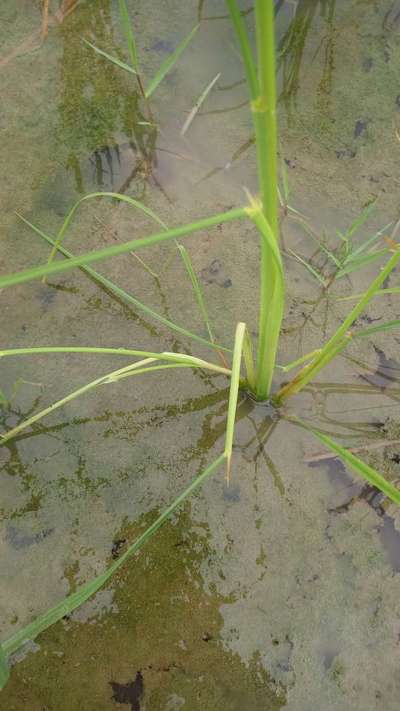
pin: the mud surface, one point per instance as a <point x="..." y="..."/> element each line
<point x="281" y="590"/>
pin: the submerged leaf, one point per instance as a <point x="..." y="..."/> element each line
<point x="352" y="265"/>
<point x="308" y="266"/>
<point x="367" y="472"/>
<point x="169" y="63"/>
<point x="4" y="669"/>
<point x="130" y="37"/>
<point x="196" y="288"/>
<point x="377" y="329"/>
<point x="110" y="58"/>
<point x="198" y="104"/>
<point x="359" y="221"/>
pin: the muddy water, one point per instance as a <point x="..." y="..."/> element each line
<point x="281" y="590"/>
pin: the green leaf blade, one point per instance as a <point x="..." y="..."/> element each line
<point x="200" y="101"/>
<point x="371" y="475"/>
<point x="127" y="297"/>
<point x="115" y="196"/>
<point x="196" y="288"/>
<point x="114" y="250"/>
<point x="359" y="221"/>
<point x="234" y="392"/>
<point x="111" y="58"/>
<point x="169" y="63"/>
<point x="366" y="332"/>
<point x="4" y="668"/>
<point x="352" y="265"/>
<point x="130" y="37"/>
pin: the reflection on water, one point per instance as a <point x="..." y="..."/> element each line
<point x="109" y="144"/>
<point x="292" y="44"/>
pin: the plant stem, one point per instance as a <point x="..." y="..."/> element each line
<point x="264" y="111"/>
<point x="263" y="94"/>
<point x="272" y="298"/>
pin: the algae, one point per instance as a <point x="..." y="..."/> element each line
<point x="161" y="626"/>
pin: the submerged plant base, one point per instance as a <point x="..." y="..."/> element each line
<point x="269" y="405"/>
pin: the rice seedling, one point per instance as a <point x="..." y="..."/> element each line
<point x="347" y="257"/>
<point x="258" y="374"/>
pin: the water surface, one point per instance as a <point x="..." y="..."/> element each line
<point x="281" y="590"/>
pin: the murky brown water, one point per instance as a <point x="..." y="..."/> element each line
<point x="281" y="590"/>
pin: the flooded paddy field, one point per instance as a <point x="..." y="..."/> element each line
<point x="281" y="589"/>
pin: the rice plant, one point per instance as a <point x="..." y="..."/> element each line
<point x="256" y="376"/>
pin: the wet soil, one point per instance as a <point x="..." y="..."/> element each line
<point x="281" y="590"/>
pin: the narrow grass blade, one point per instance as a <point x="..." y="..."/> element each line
<point x="125" y="296"/>
<point x="308" y="266"/>
<point x="116" y="196"/>
<point x="380" y="292"/>
<point x="148" y="369"/>
<point x="196" y="288"/>
<point x="347" y="243"/>
<point x="352" y="265"/>
<point x="200" y="101"/>
<point x="178" y="357"/>
<point x="233" y="394"/>
<point x="318" y="240"/>
<point x="182" y="358"/>
<point x="83" y="593"/>
<point x="339" y="339"/>
<point x="4" y="669"/>
<point x="130" y="38"/>
<point x="359" y="221"/>
<point x="371" y="475"/>
<point x="249" y="360"/>
<point x="245" y="49"/>
<point x="110" y="58"/>
<point x="114" y="250"/>
<point x="295" y="363"/>
<point x="5" y="437"/>
<point x="369" y="242"/>
<point x="112" y="377"/>
<point x="169" y="63"/>
<point x="366" y="332"/>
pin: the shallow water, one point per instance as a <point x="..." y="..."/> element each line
<point x="281" y="590"/>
